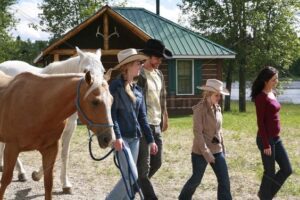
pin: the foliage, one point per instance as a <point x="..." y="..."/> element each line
<point x="295" y="68"/>
<point x="275" y="41"/>
<point x="6" y="18"/>
<point x="27" y="50"/>
<point x="270" y="37"/>
<point x="261" y="32"/>
<point x="16" y="49"/>
<point x="6" y="22"/>
<point x="6" y="47"/>
<point x="59" y="16"/>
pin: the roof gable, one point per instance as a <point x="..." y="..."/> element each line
<point x="183" y="42"/>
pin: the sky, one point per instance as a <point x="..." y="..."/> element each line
<point x="27" y="12"/>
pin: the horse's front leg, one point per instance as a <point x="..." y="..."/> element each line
<point x="19" y="165"/>
<point x="11" y="153"/>
<point x="66" y="138"/>
<point x="49" y="155"/>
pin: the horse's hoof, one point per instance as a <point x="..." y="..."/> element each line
<point x="35" y="176"/>
<point x="22" y="177"/>
<point x="67" y="190"/>
<point x="1" y="168"/>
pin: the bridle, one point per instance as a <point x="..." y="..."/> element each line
<point x="90" y="123"/>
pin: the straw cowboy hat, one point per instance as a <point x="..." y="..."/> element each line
<point x="126" y="56"/>
<point x="214" y="85"/>
<point x="156" y="48"/>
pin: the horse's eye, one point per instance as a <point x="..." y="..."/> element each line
<point x="96" y="102"/>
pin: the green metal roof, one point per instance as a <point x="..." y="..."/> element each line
<point x="183" y="42"/>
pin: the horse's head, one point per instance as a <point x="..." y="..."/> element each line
<point x="90" y="61"/>
<point x="94" y="103"/>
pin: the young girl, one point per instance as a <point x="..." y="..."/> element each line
<point x="129" y="117"/>
<point x="268" y="139"/>
<point x="208" y="145"/>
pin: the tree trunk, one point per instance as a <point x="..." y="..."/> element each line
<point x="242" y="61"/>
<point x="242" y="85"/>
<point x="228" y="86"/>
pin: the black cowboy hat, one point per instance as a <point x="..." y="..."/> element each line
<point x="156" y="48"/>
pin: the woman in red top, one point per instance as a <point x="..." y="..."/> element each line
<point x="268" y="139"/>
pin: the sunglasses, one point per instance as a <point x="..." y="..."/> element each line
<point x="140" y="62"/>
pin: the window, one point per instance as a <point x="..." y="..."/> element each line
<point x="184" y="77"/>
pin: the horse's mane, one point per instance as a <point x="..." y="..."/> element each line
<point x="75" y="64"/>
<point x="65" y="66"/>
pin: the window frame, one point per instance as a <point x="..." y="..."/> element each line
<point x="193" y="79"/>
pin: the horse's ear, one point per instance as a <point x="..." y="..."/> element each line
<point x="107" y="75"/>
<point x="98" y="53"/>
<point x="88" y="78"/>
<point x="79" y="52"/>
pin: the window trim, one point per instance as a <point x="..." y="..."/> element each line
<point x="193" y="81"/>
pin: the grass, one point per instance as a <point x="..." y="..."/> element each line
<point x="95" y="179"/>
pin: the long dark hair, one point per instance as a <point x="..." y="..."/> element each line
<point x="259" y="83"/>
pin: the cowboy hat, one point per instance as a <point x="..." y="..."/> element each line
<point x="125" y="56"/>
<point x="128" y="55"/>
<point x="214" y="85"/>
<point x="156" y="48"/>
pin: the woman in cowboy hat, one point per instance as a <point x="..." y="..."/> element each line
<point x="129" y="118"/>
<point x="208" y="145"/>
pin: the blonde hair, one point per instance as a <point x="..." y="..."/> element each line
<point x="206" y="94"/>
<point x="128" y="90"/>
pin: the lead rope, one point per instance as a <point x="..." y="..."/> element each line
<point x="130" y="188"/>
<point x="90" y="149"/>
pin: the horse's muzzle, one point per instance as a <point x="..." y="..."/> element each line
<point x="105" y="137"/>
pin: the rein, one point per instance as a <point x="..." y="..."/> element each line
<point x="90" y="124"/>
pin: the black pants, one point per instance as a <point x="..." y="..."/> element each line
<point x="272" y="180"/>
<point x="148" y="164"/>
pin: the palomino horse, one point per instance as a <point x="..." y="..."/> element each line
<point x="84" y="61"/>
<point x="34" y="110"/>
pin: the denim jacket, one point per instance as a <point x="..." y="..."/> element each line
<point x="129" y="118"/>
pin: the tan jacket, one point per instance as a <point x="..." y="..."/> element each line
<point x="207" y="125"/>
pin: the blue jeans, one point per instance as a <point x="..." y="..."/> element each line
<point x="119" y="191"/>
<point x="199" y="166"/>
<point x="272" y="180"/>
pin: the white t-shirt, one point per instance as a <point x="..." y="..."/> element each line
<point x="153" y="97"/>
